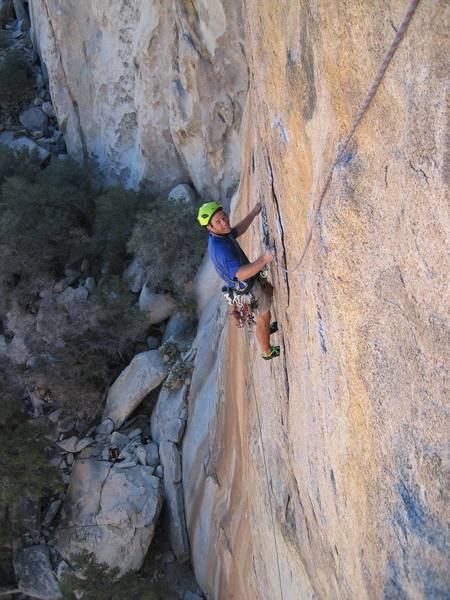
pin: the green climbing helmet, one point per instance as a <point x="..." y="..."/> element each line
<point x="206" y="211"/>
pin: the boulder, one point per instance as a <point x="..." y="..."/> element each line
<point x="152" y="454"/>
<point x="35" y="576"/>
<point x="111" y="512"/>
<point x="157" y="306"/>
<point x="180" y="328"/>
<point x="135" y="275"/>
<point x="89" y="284"/>
<point x="173" y="494"/>
<point x="106" y="427"/>
<point x="47" y="109"/>
<point x="118" y="440"/>
<point x="33" y="119"/>
<point x="74" y="445"/>
<point x="8" y="139"/>
<point x="145" y="372"/>
<point x="168" y="418"/>
<point x="51" y="513"/>
<point x="141" y="455"/>
<point x="171" y="462"/>
<point x="182" y="193"/>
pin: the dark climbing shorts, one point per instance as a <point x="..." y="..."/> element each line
<point x="262" y="292"/>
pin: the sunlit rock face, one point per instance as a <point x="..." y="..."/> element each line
<point x="353" y="414"/>
<point x="155" y="90"/>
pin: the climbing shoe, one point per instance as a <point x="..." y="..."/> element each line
<point x="274" y="351"/>
<point x="273" y="327"/>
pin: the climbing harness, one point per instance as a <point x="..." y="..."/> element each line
<point x="357" y="120"/>
<point x="244" y="303"/>
<point x="244" y="306"/>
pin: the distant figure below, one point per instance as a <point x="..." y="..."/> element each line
<point x="247" y="289"/>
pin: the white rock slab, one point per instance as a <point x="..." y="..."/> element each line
<point x="35" y="574"/>
<point x="110" y="512"/>
<point x="168" y="418"/>
<point x="145" y="372"/>
<point x="182" y="193"/>
<point x="158" y="307"/>
<point x="174" y="499"/>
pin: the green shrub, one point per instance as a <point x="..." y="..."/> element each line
<point x="119" y="313"/>
<point x="168" y="241"/>
<point x="21" y="162"/>
<point x="24" y="469"/>
<point x="45" y="217"/>
<point x="5" y="38"/>
<point x="98" y="581"/>
<point x="15" y="80"/>
<point x="76" y="380"/>
<point x="179" y="369"/>
<point x="40" y="227"/>
<point x="115" y="215"/>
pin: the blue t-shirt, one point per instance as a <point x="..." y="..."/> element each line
<point x="227" y="256"/>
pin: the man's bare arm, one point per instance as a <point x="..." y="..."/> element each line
<point x="243" y="225"/>
<point x="247" y="271"/>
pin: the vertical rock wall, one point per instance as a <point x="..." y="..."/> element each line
<point x="355" y="413"/>
<point x="154" y="90"/>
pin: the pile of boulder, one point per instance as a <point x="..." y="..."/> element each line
<point x="119" y="475"/>
<point x="37" y="127"/>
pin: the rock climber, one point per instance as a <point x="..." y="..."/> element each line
<point x="247" y="290"/>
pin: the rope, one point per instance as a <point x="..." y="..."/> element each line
<point x="266" y="470"/>
<point x="357" y="120"/>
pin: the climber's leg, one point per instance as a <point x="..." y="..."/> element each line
<point x="262" y="332"/>
<point x="263" y="296"/>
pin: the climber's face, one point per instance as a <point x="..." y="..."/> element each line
<point x="219" y="224"/>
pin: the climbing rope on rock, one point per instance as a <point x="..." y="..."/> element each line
<point x="357" y="120"/>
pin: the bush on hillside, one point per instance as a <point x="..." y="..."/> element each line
<point x="25" y="472"/>
<point x="166" y="239"/>
<point x="24" y="469"/>
<point x="45" y="217"/>
<point x="98" y="581"/>
<point x="41" y="228"/>
<point x="115" y="215"/>
<point x="21" y="162"/>
<point x="16" y="84"/>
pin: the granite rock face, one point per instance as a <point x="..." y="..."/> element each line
<point x="353" y="415"/>
<point x="155" y="90"/>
